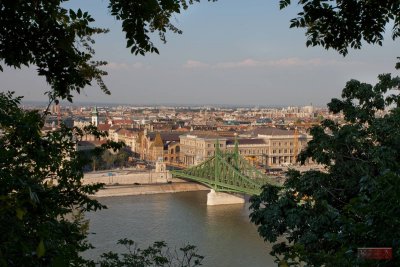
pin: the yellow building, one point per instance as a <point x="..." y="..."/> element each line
<point x="264" y="146"/>
<point x="155" y="145"/>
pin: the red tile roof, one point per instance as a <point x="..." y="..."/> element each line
<point x="104" y="127"/>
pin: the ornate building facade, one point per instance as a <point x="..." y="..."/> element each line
<point x="264" y="147"/>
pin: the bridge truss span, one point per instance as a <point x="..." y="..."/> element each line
<point x="227" y="172"/>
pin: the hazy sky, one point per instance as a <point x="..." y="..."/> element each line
<point x="230" y="52"/>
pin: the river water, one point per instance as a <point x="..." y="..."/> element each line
<point x="223" y="234"/>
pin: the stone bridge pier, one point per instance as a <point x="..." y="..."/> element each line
<point x="221" y="198"/>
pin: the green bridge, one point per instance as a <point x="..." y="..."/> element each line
<point x="227" y="172"/>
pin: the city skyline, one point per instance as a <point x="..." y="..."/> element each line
<point x="230" y="53"/>
<point x="65" y="103"/>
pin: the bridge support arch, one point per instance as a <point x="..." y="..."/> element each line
<point x="221" y="198"/>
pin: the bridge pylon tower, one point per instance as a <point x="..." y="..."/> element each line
<point x="227" y="172"/>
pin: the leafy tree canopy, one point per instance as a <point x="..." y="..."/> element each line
<point x="43" y="200"/>
<point x="157" y="255"/>
<point x="322" y="217"/>
<point x="59" y="41"/>
<point x="41" y="173"/>
<point x="340" y="24"/>
<point x="41" y="189"/>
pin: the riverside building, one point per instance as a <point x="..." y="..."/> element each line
<point x="267" y="147"/>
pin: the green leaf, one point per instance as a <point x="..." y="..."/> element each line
<point x="72" y="14"/>
<point x="40" y="250"/>
<point x="60" y="262"/>
<point x="20" y="213"/>
<point x="129" y="43"/>
<point x="79" y="14"/>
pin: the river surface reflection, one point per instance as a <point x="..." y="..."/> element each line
<point x="223" y="234"/>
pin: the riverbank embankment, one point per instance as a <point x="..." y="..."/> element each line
<point x="144" y="189"/>
<point x="130" y="182"/>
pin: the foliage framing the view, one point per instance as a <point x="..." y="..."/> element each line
<point x="41" y="188"/>
<point x="324" y="216"/>
<point x="58" y="41"/>
<point x="157" y="255"/>
<point x="40" y="174"/>
<point x="340" y="24"/>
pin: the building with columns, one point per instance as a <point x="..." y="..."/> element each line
<point x="267" y="147"/>
<point x="196" y="148"/>
<point x="283" y="146"/>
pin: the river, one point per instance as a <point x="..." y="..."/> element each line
<point x="223" y="234"/>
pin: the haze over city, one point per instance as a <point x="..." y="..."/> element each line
<point x="231" y="52"/>
<point x="237" y="145"/>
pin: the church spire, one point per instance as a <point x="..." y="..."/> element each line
<point x="95" y="116"/>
